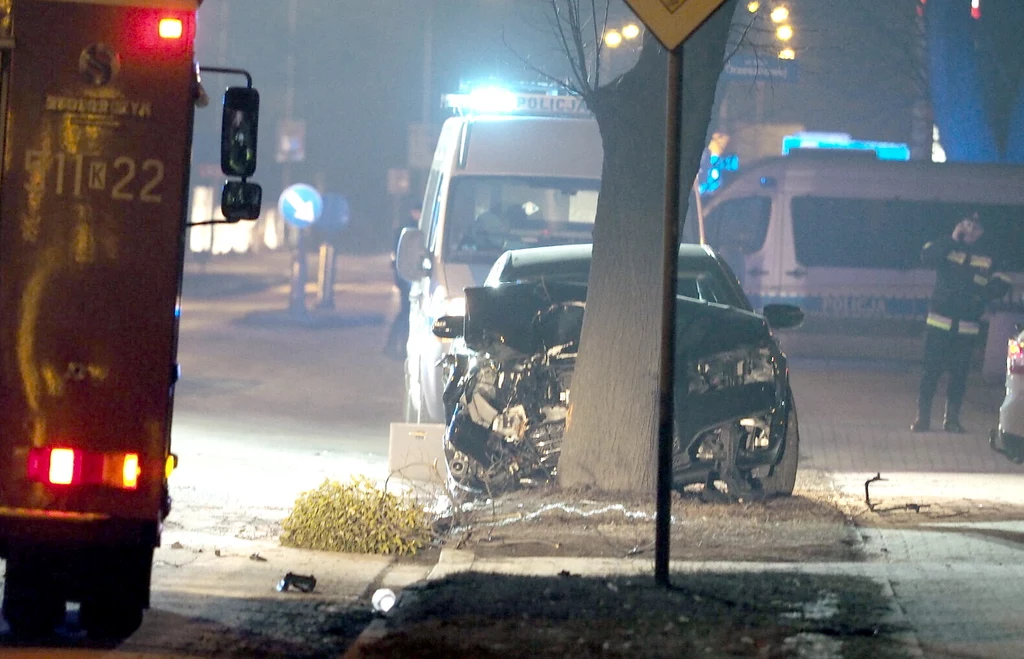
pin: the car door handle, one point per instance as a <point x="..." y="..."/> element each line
<point x="757" y="272"/>
<point x="799" y="272"/>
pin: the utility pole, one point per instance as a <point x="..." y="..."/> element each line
<point x="428" y="61"/>
<point x="300" y="267"/>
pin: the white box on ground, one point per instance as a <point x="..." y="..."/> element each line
<point x="416" y="451"/>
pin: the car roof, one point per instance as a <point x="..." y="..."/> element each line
<point x="537" y="260"/>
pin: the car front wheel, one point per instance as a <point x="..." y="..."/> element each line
<point x="782" y="480"/>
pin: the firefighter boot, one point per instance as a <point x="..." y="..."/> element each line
<point x="951" y="423"/>
<point x="923" y="422"/>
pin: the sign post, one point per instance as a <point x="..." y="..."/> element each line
<point x="301" y="206"/>
<point x="671" y="22"/>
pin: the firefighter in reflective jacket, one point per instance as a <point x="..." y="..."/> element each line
<point x="965" y="282"/>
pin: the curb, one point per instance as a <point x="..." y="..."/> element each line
<point x="897" y="616"/>
<point x="450" y="561"/>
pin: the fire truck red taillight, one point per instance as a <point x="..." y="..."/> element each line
<point x="70" y="467"/>
<point x="171" y="28"/>
<point x="63" y="463"/>
<point x="55" y="466"/>
<point x="1015" y="356"/>
<point x="130" y="471"/>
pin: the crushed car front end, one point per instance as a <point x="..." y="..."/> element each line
<point x="508" y="394"/>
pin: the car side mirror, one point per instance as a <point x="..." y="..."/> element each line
<point x="239" y="131"/>
<point x="783" y="316"/>
<point x="411" y="258"/>
<point x="449" y="327"/>
<point x="241" y="200"/>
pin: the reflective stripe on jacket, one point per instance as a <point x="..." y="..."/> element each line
<point x="966" y="280"/>
<point x="947" y="324"/>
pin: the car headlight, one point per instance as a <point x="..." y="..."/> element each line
<point x="442" y="305"/>
<point x="455" y="306"/>
<point x="732" y="368"/>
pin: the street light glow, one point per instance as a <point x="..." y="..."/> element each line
<point x="784" y="33"/>
<point x="631" y="31"/>
<point x="753" y="6"/>
<point x="780" y="14"/>
<point x="787" y="53"/>
<point x="612" y="38"/>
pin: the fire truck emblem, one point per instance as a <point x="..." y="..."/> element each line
<point x="99" y="64"/>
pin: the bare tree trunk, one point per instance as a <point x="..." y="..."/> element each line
<point x="611" y="435"/>
<point x="922" y="123"/>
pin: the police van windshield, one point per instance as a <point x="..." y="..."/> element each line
<point x="490" y="214"/>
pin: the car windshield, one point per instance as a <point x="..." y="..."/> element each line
<point x="709" y="283"/>
<point x="700" y="277"/>
<point x="490" y="214"/>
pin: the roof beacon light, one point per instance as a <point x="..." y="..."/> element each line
<point x="843" y="142"/>
<point x="171" y="28"/>
<point x="492" y="100"/>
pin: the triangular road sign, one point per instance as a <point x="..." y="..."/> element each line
<point x="671" y="21"/>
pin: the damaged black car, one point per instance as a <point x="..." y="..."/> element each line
<point x="509" y="376"/>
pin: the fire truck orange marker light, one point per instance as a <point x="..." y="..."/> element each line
<point x="62" y="466"/>
<point x="171" y="28"/>
<point x="131" y="471"/>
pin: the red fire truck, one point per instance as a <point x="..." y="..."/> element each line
<point x="98" y="98"/>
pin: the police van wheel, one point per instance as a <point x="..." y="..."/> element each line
<point x="31" y="606"/>
<point x="783" y="477"/>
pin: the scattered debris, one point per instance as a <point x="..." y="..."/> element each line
<point x="873" y="507"/>
<point x="867" y="486"/>
<point x="383" y="600"/>
<point x="300" y="582"/>
<point x="255" y="557"/>
<point x="216" y="552"/>
<point x="177" y="545"/>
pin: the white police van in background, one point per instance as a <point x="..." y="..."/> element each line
<point x="839" y="231"/>
<point x="512" y="170"/>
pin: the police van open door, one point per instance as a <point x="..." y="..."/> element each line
<point x="742" y="229"/>
<point x="98" y="102"/>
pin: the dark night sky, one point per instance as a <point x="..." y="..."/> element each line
<point x="359" y="69"/>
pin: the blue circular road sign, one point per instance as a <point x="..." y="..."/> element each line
<point x="300" y="205"/>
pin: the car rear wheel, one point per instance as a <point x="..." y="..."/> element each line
<point x="782" y="480"/>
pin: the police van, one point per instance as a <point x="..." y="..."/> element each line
<point x="839" y="233"/>
<point x="511" y="170"/>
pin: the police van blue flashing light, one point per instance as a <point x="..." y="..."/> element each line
<point x="717" y="167"/>
<point x="491" y="99"/>
<point x="843" y="142"/>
